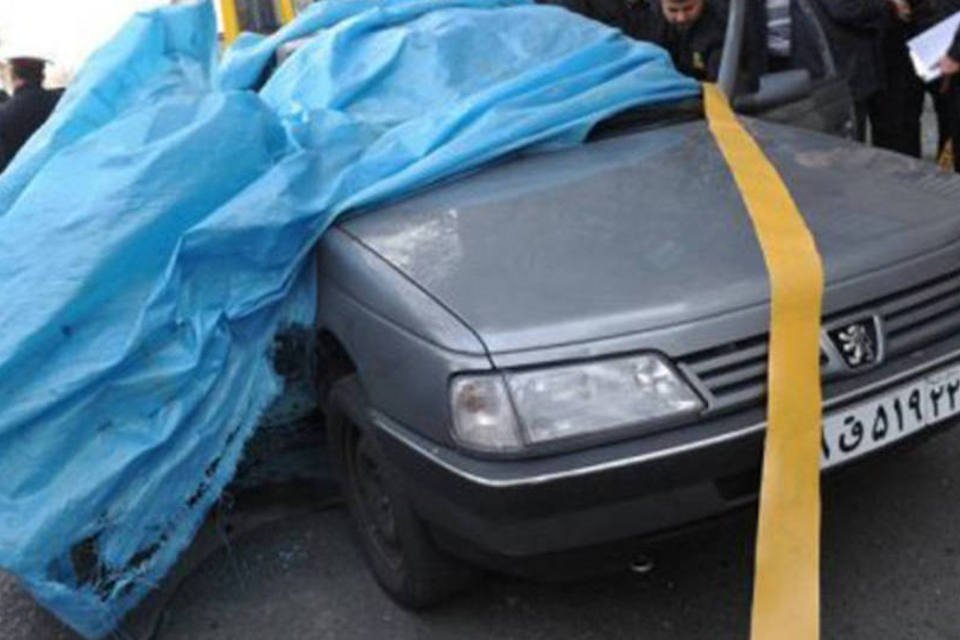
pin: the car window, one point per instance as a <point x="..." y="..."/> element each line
<point x="646" y="117"/>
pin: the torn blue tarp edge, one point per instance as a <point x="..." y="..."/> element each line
<point x="88" y="614"/>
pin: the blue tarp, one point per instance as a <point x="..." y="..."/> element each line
<point x="156" y="235"/>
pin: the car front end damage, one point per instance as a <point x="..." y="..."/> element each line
<point x="497" y="502"/>
<point x="571" y="350"/>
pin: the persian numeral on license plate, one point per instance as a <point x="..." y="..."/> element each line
<point x="895" y="414"/>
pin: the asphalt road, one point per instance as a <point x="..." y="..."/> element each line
<point x="891" y="559"/>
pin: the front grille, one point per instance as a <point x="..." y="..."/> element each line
<point x="919" y="316"/>
<point x="913" y="318"/>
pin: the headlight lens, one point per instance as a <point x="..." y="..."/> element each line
<point x="569" y="401"/>
<point x="563" y="402"/>
<point x="483" y="416"/>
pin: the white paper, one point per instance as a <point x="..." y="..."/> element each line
<point x="929" y="47"/>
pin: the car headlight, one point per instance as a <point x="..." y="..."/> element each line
<point x="505" y="412"/>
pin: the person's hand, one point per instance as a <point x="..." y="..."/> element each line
<point x="949" y="66"/>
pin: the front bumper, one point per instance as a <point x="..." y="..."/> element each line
<point x="517" y="509"/>
<point x="521" y="509"/>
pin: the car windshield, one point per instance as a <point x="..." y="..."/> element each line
<point x="264" y="19"/>
<point x="648" y="116"/>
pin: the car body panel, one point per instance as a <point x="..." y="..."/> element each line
<point x="704" y="333"/>
<point x="638" y="487"/>
<point x="634" y="243"/>
<point x="646" y="231"/>
<point x="403" y="344"/>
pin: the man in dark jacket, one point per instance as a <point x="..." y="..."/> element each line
<point x="853" y="28"/>
<point x="27" y="110"/>
<point x="692" y="31"/>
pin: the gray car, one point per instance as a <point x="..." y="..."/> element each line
<point x="569" y="349"/>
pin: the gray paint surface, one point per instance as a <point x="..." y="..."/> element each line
<point x="646" y="231"/>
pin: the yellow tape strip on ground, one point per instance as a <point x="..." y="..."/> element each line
<point x="786" y="597"/>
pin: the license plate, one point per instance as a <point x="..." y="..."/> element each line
<point x="895" y="414"/>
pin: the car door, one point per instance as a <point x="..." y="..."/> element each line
<point x="794" y="96"/>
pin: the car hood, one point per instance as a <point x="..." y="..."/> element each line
<point x="646" y="231"/>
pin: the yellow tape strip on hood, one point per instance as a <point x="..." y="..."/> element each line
<point x="786" y="597"/>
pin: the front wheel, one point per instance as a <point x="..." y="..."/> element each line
<point x="396" y="543"/>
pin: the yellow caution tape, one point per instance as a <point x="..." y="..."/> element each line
<point x="231" y="21"/>
<point x="786" y="597"/>
<point x="286" y="11"/>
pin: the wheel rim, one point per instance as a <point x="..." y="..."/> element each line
<point x="376" y="512"/>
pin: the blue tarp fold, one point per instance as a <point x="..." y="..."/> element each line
<point x="156" y="235"/>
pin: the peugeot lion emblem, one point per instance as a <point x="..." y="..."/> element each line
<point x="858" y="343"/>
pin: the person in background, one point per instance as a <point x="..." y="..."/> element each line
<point x="27" y="109"/>
<point x="950" y="67"/>
<point x="854" y="29"/>
<point x="692" y="31"/>
<point x="779" y="34"/>
<point x="791" y="33"/>
<point x="950" y="63"/>
<point x="895" y="111"/>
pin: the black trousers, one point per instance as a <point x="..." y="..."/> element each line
<point x="895" y="116"/>
<point x="952" y="101"/>
<point x="895" y="113"/>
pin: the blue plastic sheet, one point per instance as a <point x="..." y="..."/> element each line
<point x="156" y="235"/>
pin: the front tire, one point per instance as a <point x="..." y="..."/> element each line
<point x="397" y="544"/>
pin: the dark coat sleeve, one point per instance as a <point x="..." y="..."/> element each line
<point x="6" y="153"/>
<point x="8" y="148"/>
<point x="955" y="49"/>
<point x="20" y="117"/>
<point x="924" y="15"/>
<point x="858" y="14"/>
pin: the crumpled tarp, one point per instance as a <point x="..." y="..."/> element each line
<point x="156" y="235"/>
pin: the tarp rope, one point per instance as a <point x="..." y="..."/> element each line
<point x="786" y="597"/>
